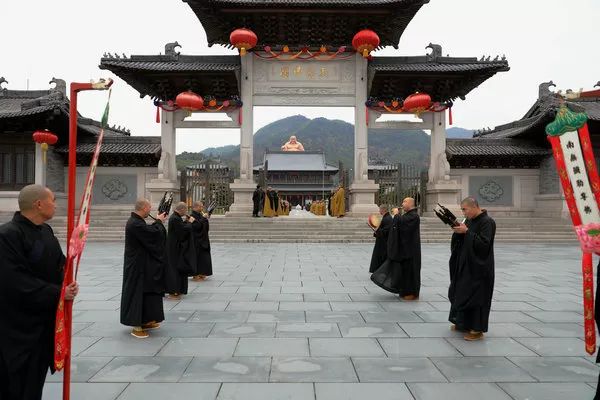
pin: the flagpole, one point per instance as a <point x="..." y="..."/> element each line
<point x="75" y="87"/>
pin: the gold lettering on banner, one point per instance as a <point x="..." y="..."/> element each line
<point x="298" y="70"/>
<point x="323" y="73"/>
<point x="285" y="72"/>
<point x="310" y="73"/>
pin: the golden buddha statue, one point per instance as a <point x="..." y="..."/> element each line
<point x="292" y="145"/>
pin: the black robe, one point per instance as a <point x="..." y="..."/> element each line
<point x="256" y="200"/>
<point x="472" y="274"/>
<point x="401" y="272"/>
<point x="274" y="197"/>
<point x="202" y="244"/>
<point x="143" y="272"/>
<point x="181" y="255"/>
<point x="381" y="237"/>
<point x="31" y="274"/>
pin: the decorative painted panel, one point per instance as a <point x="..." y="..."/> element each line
<point x="492" y="190"/>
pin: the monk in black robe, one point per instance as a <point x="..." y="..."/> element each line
<point x="143" y="271"/>
<point x="472" y="271"/>
<point x="181" y="254"/>
<point x="274" y="196"/>
<point x="256" y="200"/>
<point x="200" y="228"/>
<point x="31" y="275"/>
<point x="401" y="272"/>
<point x="381" y="237"/>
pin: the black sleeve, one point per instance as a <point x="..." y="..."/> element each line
<point x="482" y="239"/>
<point x="149" y="236"/>
<point x="18" y="282"/>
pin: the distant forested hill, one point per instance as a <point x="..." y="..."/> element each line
<point x="335" y="137"/>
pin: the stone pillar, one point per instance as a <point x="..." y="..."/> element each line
<point x="550" y="201"/>
<point x="40" y="167"/>
<point x="243" y="186"/>
<point x="167" y="166"/>
<point x="440" y="189"/>
<point x="362" y="190"/>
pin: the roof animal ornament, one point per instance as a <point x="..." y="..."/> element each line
<point x="596" y="85"/>
<point x="170" y="49"/>
<point x="2" y="80"/>
<point x="60" y="85"/>
<point x="544" y="89"/>
<point x="436" y="51"/>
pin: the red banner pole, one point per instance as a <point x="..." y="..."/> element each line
<point x="75" y="89"/>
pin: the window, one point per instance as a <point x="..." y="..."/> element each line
<point x="17" y="166"/>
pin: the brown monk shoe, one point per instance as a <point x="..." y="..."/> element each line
<point x="410" y="297"/>
<point x="151" y="325"/>
<point x="139" y="333"/>
<point x="473" y="336"/>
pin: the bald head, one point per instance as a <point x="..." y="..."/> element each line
<point x="469" y="201"/>
<point x="470" y="208"/>
<point x="408" y="204"/>
<point x="181" y="208"/>
<point x="198" y="206"/>
<point x="383" y="209"/>
<point x="30" y="194"/>
<point x="141" y="204"/>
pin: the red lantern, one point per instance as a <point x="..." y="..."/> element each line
<point x="365" y="42"/>
<point x="44" y="138"/>
<point x="189" y="101"/>
<point x="417" y="103"/>
<point x="243" y="39"/>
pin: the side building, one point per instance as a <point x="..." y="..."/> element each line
<point x="510" y="169"/>
<point x="126" y="162"/>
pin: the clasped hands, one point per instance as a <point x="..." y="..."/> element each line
<point x="460" y="228"/>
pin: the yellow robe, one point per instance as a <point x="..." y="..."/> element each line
<point x="267" y="209"/>
<point x="340" y="203"/>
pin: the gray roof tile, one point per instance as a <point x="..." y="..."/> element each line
<point x="297" y="161"/>
<point x="493" y="147"/>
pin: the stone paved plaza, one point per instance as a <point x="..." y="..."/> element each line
<point x="304" y="322"/>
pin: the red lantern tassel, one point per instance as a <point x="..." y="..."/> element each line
<point x="157" y="114"/>
<point x="450" y="115"/>
<point x="240" y="116"/>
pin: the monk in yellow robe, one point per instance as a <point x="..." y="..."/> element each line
<point x="268" y="208"/>
<point x="340" y="202"/>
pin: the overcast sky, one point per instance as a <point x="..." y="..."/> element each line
<point x="542" y="40"/>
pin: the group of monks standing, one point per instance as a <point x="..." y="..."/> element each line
<point x="158" y="262"/>
<point x="396" y="263"/>
<point x="268" y="203"/>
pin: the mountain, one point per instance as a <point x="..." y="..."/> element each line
<point x="335" y="138"/>
<point x="459" y="133"/>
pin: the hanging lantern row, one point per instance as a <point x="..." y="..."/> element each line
<point x="191" y="101"/>
<point x="416" y="103"/>
<point x="364" y="42"/>
<point x="44" y="138"/>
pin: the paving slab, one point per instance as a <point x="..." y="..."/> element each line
<point x="304" y="321"/>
